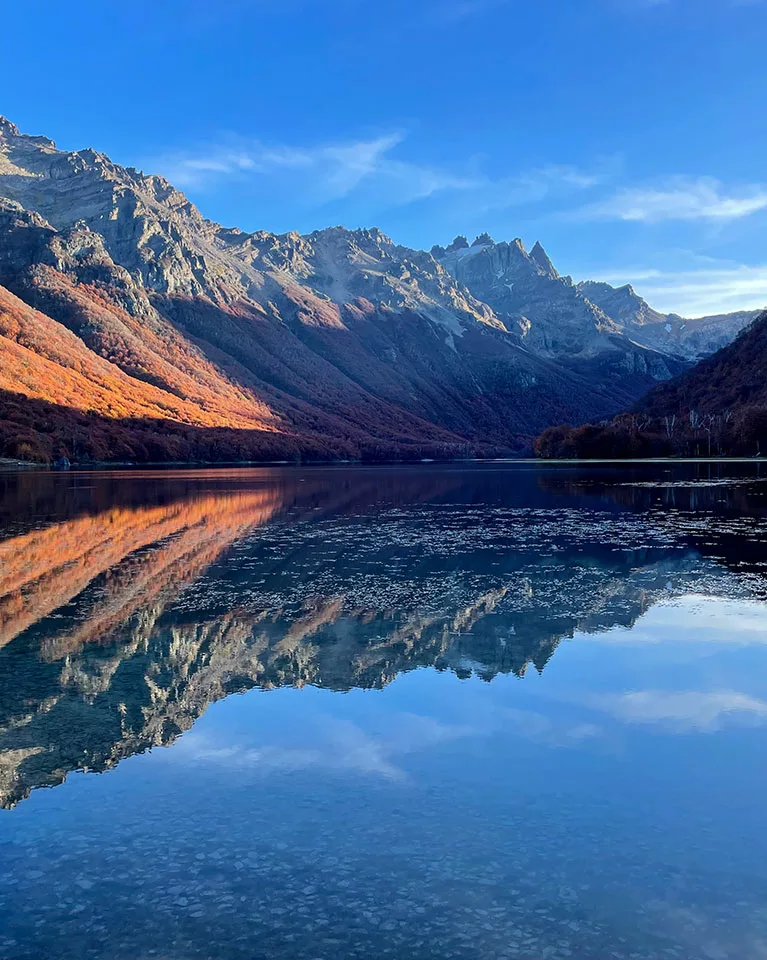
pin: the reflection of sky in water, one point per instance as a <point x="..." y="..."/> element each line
<point x="570" y="708"/>
<point x="610" y="807"/>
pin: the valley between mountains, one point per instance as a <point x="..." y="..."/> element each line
<point x="134" y="329"/>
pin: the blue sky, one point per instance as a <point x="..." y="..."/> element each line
<point x="629" y="136"/>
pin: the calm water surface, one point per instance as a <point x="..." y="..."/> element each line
<point x="493" y="711"/>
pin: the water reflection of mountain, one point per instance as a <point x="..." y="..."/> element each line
<point x="124" y="622"/>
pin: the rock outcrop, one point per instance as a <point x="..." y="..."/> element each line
<point x="690" y="339"/>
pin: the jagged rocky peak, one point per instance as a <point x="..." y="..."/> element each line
<point x="218" y="303"/>
<point x="7" y="128"/>
<point x="460" y="243"/>
<point x="347" y="243"/>
<point x="485" y="257"/>
<point x="539" y="255"/>
<point x="623" y="305"/>
<point x="148" y="227"/>
<point x="597" y="289"/>
<point x="526" y="292"/>
<point x="375" y="235"/>
<point x="665" y="332"/>
<point x="483" y="240"/>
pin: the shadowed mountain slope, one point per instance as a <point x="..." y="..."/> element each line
<point x="667" y="332"/>
<point x="719" y="407"/>
<point x="336" y="344"/>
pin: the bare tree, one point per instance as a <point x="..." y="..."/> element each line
<point x="694" y="419"/>
<point x="708" y="422"/>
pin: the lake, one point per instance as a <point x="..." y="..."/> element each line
<point x="469" y="711"/>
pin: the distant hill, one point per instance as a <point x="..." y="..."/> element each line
<point x="719" y="407"/>
<point x="668" y="332"/>
<point x="132" y="328"/>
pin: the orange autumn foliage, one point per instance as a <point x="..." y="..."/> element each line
<point x="44" y="360"/>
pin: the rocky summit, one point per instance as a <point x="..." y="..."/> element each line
<point x="132" y="328"/>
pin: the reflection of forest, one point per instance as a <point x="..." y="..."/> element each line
<point x="124" y="622"/>
<point x="43" y="570"/>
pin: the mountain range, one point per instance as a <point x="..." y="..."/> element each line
<point x="132" y="328"/>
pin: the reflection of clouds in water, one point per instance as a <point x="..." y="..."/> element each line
<point x="683" y="710"/>
<point x="362" y="749"/>
<point x="373" y="746"/>
<point x="366" y="757"/>
<point x="552" y="732"/>
<point x="337" y="745"/>
<point x="693" y="619"/>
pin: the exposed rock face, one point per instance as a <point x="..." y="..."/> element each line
<point x="542" y="260"/>
<point x="690" y="339"/>
<point x="552" y="317"/>
<point x="527" y="294"/>
<point x="339" y="343"/>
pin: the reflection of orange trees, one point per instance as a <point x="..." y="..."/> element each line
<point x="43" y="570"/>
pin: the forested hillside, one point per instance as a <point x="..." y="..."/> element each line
<point x="717" y="408"/>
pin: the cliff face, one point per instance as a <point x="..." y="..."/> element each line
<point x="181" y="338"/>
<point x="553" y="318"/>
<point x="575" y="323"/>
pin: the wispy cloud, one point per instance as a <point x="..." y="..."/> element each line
<point x="332" y="744"/>
<point x="722" y="287"/>
<point x="693" y="619"/>
<point x="552" y="181"/>
<point x="327" y="171"/>
<point x="679" y="198"/>
<point x="370" y="167"/>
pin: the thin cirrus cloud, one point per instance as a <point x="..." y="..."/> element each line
<point x="369" y="168"/>
<point x="679" y="198"/>
<point x="321" y="173"/>
<point x="721" y="287"/>
<point x="328" y="742"/>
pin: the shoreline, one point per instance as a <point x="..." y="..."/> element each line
<point x="10" y="465"/>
